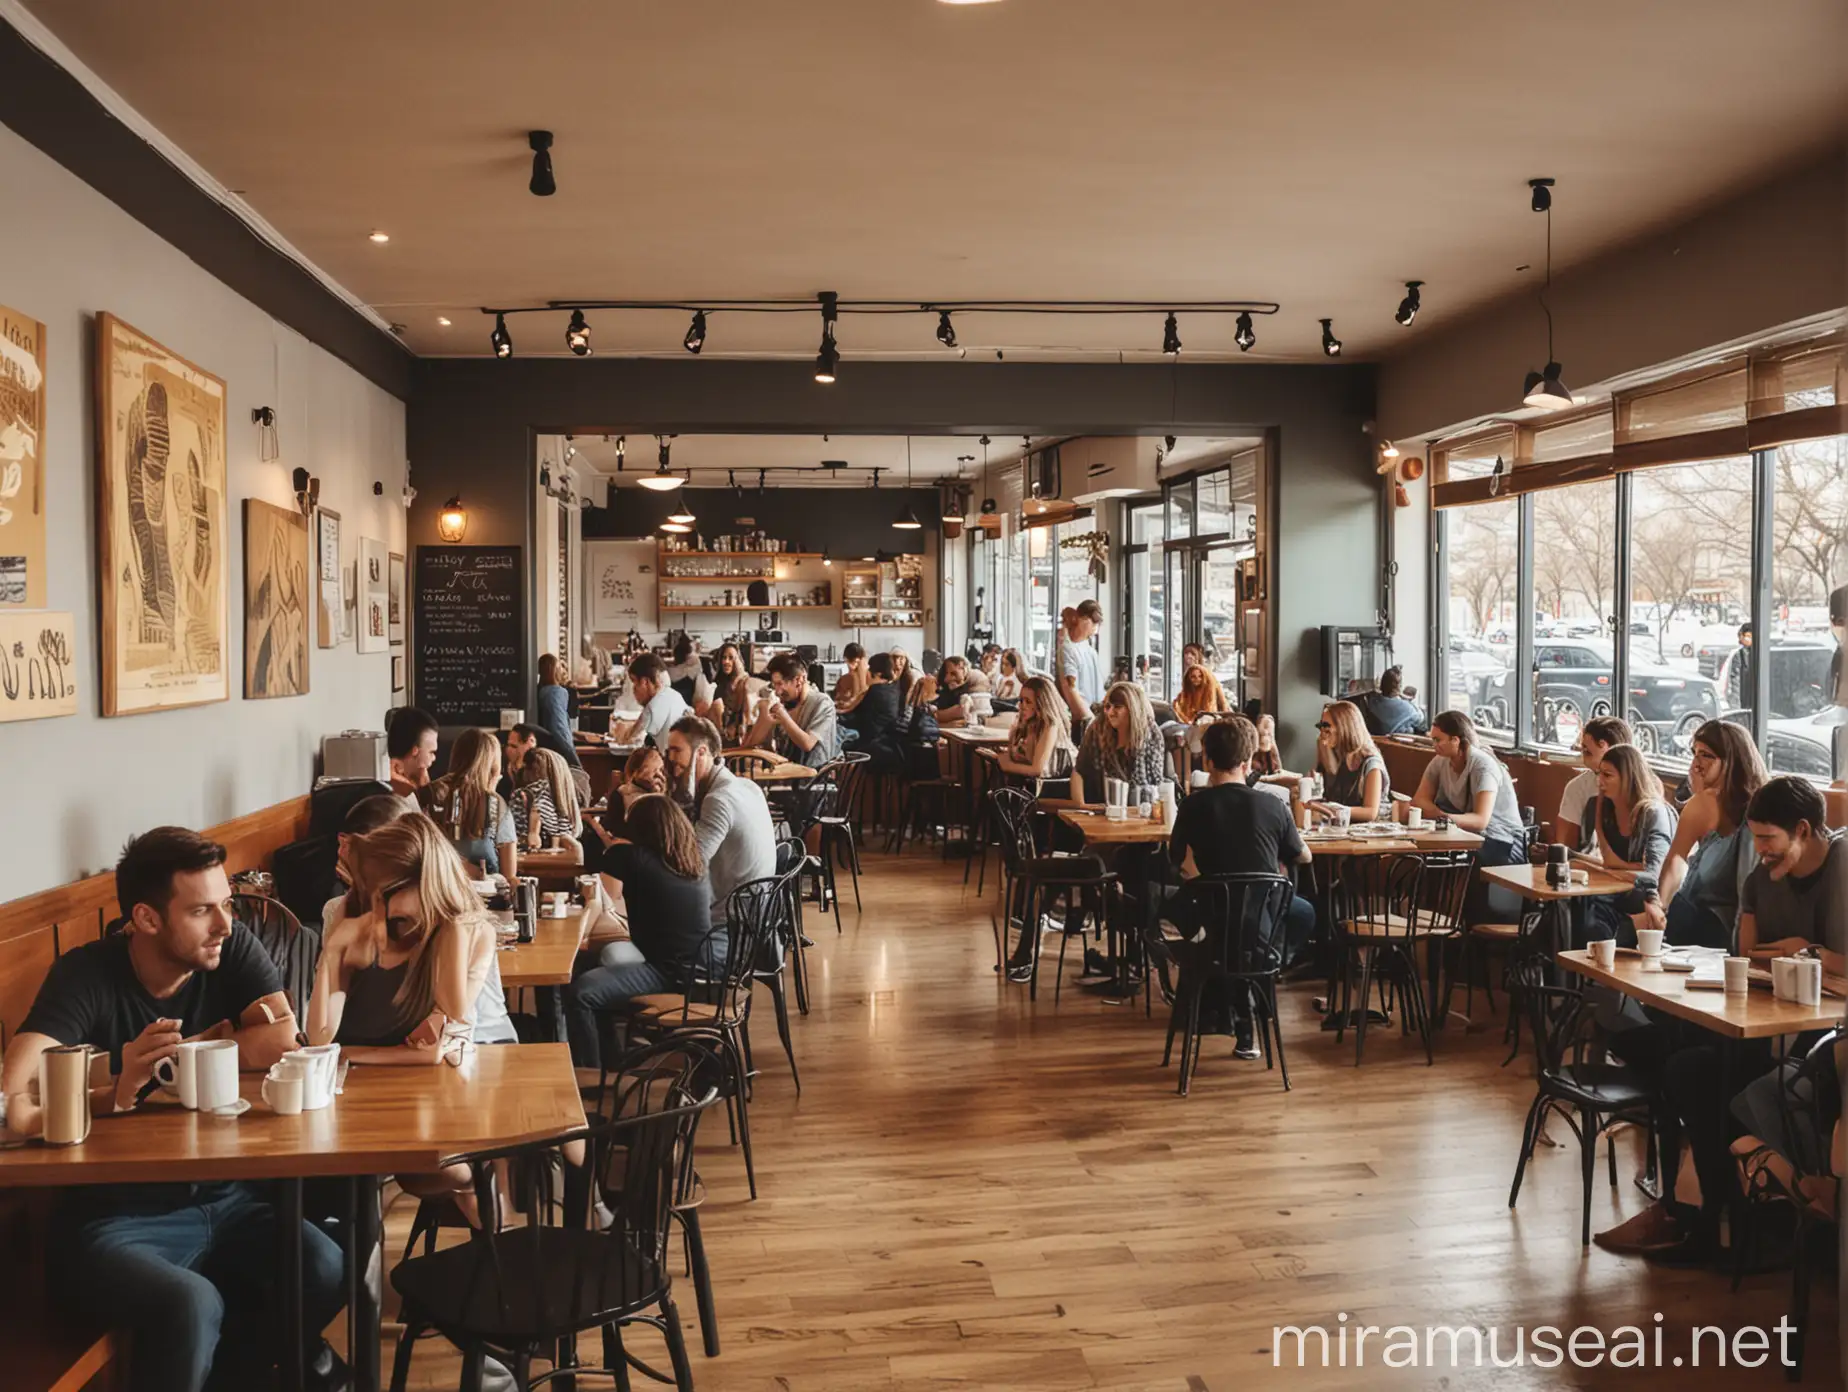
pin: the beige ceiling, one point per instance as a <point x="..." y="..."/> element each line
<point x="1315" y="154"/>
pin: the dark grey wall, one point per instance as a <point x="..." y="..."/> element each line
<point x="472" y="424"/>
<point x="846" y="522"/>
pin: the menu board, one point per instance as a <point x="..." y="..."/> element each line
<point x="469" y="603"/>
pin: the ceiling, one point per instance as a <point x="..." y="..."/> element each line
<point x="1315" y="155"/>
<point x="714" y="459"/>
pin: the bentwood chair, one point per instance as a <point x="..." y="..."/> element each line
<point x="1380" y="916"/>
<point x="528" y="1292"/>
<point x="1235" y="948"/>
<point x="1033" y="884"/>
<point x="838" y="845"/>
<point x="295" y="949"/>
<point x="1598" y="1094"/>
<point x="749" y="763"/>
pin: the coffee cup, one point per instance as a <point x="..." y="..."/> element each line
<point x="1649" y="941"/>
<point x="1738" y="978"/>
<point x="64" y="1093"/>
<point x="319" y="1064"/>
<point x="282" y="1089"/>
<point x="1784" y="978"/>
<point x="587" y="888"/>
<point x="1199" y="778"/>
<point x="1414" y="817"/>
<point x="1809" y="981"/>
<point x="215" y="1074"/>
<point x="1603" y="952"/>
<point x="179" y="1075"/>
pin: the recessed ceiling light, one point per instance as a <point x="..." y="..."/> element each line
<point x="443" y="319"/>
<point x="381" y="237"/>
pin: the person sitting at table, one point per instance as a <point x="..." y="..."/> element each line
<point x="522" y="741"/>
<point x="660" y="704"/>
<point x="545" y="803"/>
<point x="1200" y="693"/>
<point x="643" y="772"/>
<point x="853" y="682"/>
<point x="1570" y="825"/>
<point x="988" y="663"/>
<point x="1387" y="711"/>
<point x="686" y="668"/>
<point x="1467" y="784"/>
<point x="955" y="680"/>
<point x="658" y="874"/>
<point x="1711" y="856"/>
<point x="411" y="738"/>
<point x="730" y="706"/>
<point x="464" y="803"/>
<point x="1230" y="828"/>
<point x="1353" y="773"/>
<point x="1265" y="760"/>
<point x="877" y="717"/>
<point x="1798" y="892"/>
<point x="555" y="714"/>
<point x="731" y="819"/>
<point x="1124" y="742"/>
<point x="798" y="721"/>
<point x="1039" y="743"/>
<point x="188" y="1269"/>
<point x="1013" y="670"/>
<point x="1635" y="826"/>
<point x="903" y="674"/>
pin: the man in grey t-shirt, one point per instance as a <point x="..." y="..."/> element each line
<point x="800" y="724"/>
<point x="1798" y="894"/>
<point x="731" y="820"/>
<point x="1076" y="668"/>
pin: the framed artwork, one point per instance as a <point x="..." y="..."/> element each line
<point x="22" y="461"/>
<point x="394" y="599"/>
<point x="275" y="601"/>
<point x="161" y="511"/>
<point x="397" y="674"/>
<point x="37" y="677"/>
<point x="327" y="592"/>
<point x="374" y="596"/>
<point x="349" y="599"/>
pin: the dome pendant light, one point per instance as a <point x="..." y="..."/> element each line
<point x="662" y="480"/>
<point x="907" y="519"/>
<point x="1543" y="390"/>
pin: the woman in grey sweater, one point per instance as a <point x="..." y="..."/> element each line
<point x="1636" y="827"/>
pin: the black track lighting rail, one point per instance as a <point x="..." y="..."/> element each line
<point x="937" y="307"/>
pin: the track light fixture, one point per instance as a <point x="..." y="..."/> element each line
<point x="543" y="185"/>
<point x="577" y="335"/>
<point x="499" y="340"/>
<point x="1409" y="306"/>
<point x="1171" y="335"/>
<point x="1331" y="346"/>
<point x="828" y="359"/>
<point x="696" y="333"/>
<point x="1244" y="337"/>
<point x="1543" y="389"/>
<point x="946" y="331"/>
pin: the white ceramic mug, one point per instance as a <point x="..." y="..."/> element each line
<point x="1784" y="978"/>
<point x="1603" y="952"/>
<point x="1414" y="816"/>
<point x="319" y="1064"/>
<point x="215" y="1074"/>
<point x="1738" y="980"/>
<point x="64" y="1093"/>
<point x="178" y="1075"/>
<point x="1809" y="981"/>
<point x="283" y="1088"/>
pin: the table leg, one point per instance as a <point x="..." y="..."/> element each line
<point x="289" y="1363"/>
<point x="363" y="1235"/>
<point x="551" y="1003"/>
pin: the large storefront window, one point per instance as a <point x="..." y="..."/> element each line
<point x="1809" y="562"/>
<point x="1575" y="565"/>
<point x="1482" y="608"/>
<point x="1145" y="602"/>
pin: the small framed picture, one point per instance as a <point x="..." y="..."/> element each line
<point x="397" y="674"/>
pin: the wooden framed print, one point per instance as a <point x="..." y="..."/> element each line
<point x="327" y="592"/>
<point x="374" y="599"/>
<point x="22" y="461"/>
<point x="37" y="676"/>
<point x="161" y="523"/>
<point x="394" y="599"/>
<point x="275" y="601"/>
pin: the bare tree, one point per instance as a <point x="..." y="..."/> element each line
<point x="1663" y="565"/>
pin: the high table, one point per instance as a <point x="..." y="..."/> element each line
<point x="968" y="739"/>
<point x="545" y="965"/>
<point x="387" y="1121"/>
<point x="1529" y="881"/>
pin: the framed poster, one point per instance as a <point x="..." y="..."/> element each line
<point x="161" y="510"/>
<point x="397" y="674"/>
<point x="22" y="461"/>
<point x="275" y="601"/>
<point x="327" y="592"/>
<point x="349" y="599"/>
<point x="394" y="599"/>
<point x="374" y="597"/>
<point x="37" y="676"/>
<point x="620" y="576"/>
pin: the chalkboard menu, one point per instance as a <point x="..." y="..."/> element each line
<point x="470" y="600"/>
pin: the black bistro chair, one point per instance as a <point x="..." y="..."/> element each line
<point x="1233" y="944"/>
<point x="1034" y="883"/>
<point x="295" y="949"/>
<point x="1381" y="914"/>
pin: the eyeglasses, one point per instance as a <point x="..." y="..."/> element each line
<point x="1323" y="725"/>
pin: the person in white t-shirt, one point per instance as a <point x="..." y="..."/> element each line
<point x="1595" y="740"/>
<point x="660" y="704"/>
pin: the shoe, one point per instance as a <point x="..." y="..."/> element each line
<point x="326" y="1372"/>
<point x="1654" y="1229"/>
<point x="1697" y="1249"/>
<point x="1022" y="972"/>
<point x="807" y="941"/>
<point x="1247" y="1048"/>
<point x="1094" y="963"/>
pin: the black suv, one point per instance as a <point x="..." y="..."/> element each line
<point x="1572" y="683"/>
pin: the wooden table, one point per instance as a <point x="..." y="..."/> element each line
<point x="387" y="1121"/>
<point x="1755" y="1015"/>
<point x="1529" y="881"/>
<point x="545" y="964"/>
<point x="1099" y="830"/>
<point x="1404" y="841"/>
<point x="967" y="739"/>
<point x="555" y="869"/>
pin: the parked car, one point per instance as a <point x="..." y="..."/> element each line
<point x="1572" y="683"/>
<point x="1799" y="693"/>
<point x="1472" y="662"/>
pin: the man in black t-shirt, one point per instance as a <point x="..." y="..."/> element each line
<point x="1229" y="828"/>
<point x="188" y="1268"/>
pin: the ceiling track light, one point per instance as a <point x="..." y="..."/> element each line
<point x="696" y="333"/>
<point x="1171" y="335"/>
<point x="1543" y="194"/>
<point x="1244" y="337"/>
<point x="1409" y="306"/>
<point x="946" y="331"/>
<point x="577" y="335"/>
<point x="1331" y="346"/>
<point x="1543" y="390"/>
<point x="828" y="359"/>
<point x="542" y="184"/>
<point x="500" y="340"/>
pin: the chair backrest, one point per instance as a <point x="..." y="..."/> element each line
<point x="1383" y="892"/>
<point x="1012" y="810"/>
<point x="1448" y="876"/>
<point x="1241" y="920"/>
<point x="672" y="1072"/>
<point x="295" y="950"/>
<point x="756" y="918"/>
<point x="1559" y="1017"/>
<point x="1809" y="1103"/>
<point x="749" y="763"/>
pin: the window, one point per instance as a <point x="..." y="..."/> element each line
<point x="1809" y="561"/>
<point x="1180" y="511"/>
<point x="1575" y="572"/>
<point x="1214" y="516"/>
<point x="1145" y="611"/>
<point x="1482" y="607"/>
<point x="1690" y="590"/>
<point x="1040" y="610"/>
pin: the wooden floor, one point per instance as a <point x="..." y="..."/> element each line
<point x="974" y="1191"/>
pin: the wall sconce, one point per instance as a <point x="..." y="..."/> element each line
<point x="452" y="522"/>
<point x="269" y="448"/>
<point x="307" y="491"/>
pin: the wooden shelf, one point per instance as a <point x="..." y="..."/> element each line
<point x="742" y="608"/>
<point x="750" y="555"/>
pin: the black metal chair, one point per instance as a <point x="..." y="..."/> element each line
<point x="294" y="948"/>
<point x="1036" y="883"/>
<point x="784" y="946"/>
<point x="1599" y="1094"/>
<point x="528" y="1292"/>
<point x="838" y="844"/>
<point x="1232" y="943"/>
<point x="1380" y="915"/>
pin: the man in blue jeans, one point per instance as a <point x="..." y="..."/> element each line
<point x="188" y="1269"/>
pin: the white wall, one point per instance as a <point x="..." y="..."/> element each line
<point x="79" y="786"/>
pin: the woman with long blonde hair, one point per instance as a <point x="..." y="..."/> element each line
<point x="545" y="805"/>
<point x="1124" y="741"/>
<point x="1351" y="766"/>
<point x="464" y="804"/>
<point x="1039" y="745"/>
<point x="1200" y="694"/>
